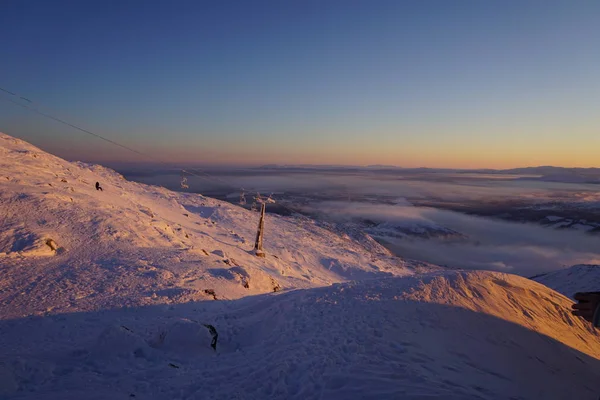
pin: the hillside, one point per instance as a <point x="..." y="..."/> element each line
<point x="111" y="295"/>
<point x="133" y="244"/>
<point x="568" y="281"/>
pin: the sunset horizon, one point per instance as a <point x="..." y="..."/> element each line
<point x="462" y="85"/>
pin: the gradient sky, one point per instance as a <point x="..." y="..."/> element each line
<point x="444" y="83"/>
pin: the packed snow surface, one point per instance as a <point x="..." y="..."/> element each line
<point x="139" y="292"/>
<point x="454" y="335"/>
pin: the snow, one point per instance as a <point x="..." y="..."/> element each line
<point x="150" y="245"/>
<point x="568" y="281"/>
<point x="412" y="229"/>
<point x="553" y="218"/>
<point x="582" y="227"/>
<point x="121" y="305"/>
<point x="562" y="224"/>
<point x="452" y="335"/>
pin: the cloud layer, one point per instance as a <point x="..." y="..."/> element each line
<point x="524" y="249"/>
<point x="386" y="197"/>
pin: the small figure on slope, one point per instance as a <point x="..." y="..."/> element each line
<point x="98" y="187"/>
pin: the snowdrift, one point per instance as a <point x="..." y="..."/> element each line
<point x="455" y="335"/>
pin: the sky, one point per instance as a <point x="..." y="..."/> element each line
<point x="457" y="84"/>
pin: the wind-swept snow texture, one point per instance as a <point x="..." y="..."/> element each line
<point x="568" y="281"/>
<point x="133" y="244"/>
<point x="454" y="335"/>
<point x="111" y="295"/>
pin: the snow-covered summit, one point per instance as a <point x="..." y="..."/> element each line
<point x="134" y="244"/>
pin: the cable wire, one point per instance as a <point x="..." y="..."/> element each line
<point x="189" y="171"/>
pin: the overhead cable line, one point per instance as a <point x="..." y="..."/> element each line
<point x="62" y="121"/>
<point x="35" y="110"/>
<point x="190" y="171"/>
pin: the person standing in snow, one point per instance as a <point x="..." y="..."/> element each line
<point x="588" y="307"/>
<point x="98" y="187"/>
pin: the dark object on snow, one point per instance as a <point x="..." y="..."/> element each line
<point x="173" y="365"/>
<point x="258" y="244"/>
<point x="276" y="287"/>
<point x="50" y="243"/>
<point x="98" y="187"/>
<point x="215" y="335"/>
<point x="588" y="307"/>
<point x="211" y="292"/>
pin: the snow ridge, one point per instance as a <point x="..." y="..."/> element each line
<point x="568" y="281"/>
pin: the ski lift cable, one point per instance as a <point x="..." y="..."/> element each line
<point x="191" y="171"/>
<point x="62" y="121"/>
<point x="35" y="110"/>
<point x="215" y="178"/>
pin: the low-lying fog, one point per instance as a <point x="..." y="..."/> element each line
<point x="522" y="248"/>
<point x="393" y="198"/>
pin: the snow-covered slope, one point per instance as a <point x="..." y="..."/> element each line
<point x="453" y="335"/>
<point x="110" y="295"/>
<point x="134" y="244"/>
<point x="568" y="281"/>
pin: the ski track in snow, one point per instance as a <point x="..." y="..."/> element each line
<point x="118" y="310"/>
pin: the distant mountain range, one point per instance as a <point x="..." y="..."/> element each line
<point x="542" y="173"/>
<point x="541" y="170"/>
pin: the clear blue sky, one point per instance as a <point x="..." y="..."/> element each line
<point x="411" y="83"/>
